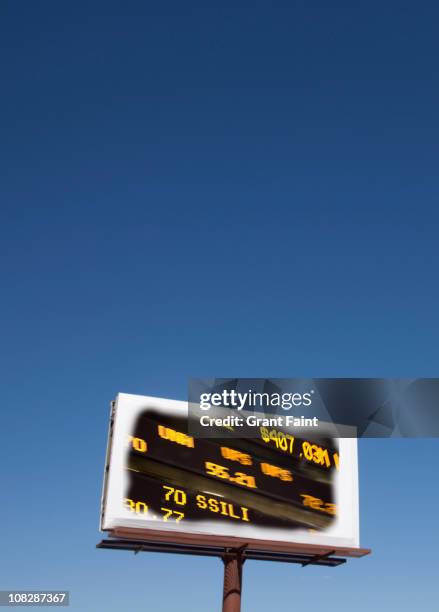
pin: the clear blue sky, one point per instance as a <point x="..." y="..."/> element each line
<point x="200" y="189"/>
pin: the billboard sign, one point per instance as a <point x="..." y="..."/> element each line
<point x="274" y="489"/>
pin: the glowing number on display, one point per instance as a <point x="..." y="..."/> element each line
<point x="177" y="495"/>
<point x="318" y="504"/>
<point x="137" y="507"/>
<point x="223" y="472"/>
<point x="283" y="441"/>
<point x="264" y="434"/>
<point x="217" y="470"/>
<point x="306" y="446"/>
<point x="319" y="455"/>
<point x="138" y="444"/>
<point x="244" y="479"/>
<point x="130" y="504"/>
<point x="168" y="513"/>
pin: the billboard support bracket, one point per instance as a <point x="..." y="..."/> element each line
<point x="233" y="559"/>
<point x="316" y="558"/>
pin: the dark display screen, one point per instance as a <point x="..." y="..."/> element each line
<point x="276" y="480"/>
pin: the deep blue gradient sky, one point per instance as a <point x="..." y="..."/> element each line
<point x="193" y="189"/>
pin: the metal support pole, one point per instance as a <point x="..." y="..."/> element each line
<point x="233" y="563"/>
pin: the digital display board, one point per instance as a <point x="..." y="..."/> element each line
<point x="276" y="487"/>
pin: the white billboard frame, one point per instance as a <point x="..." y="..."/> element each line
<point x="116" y="518"/>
